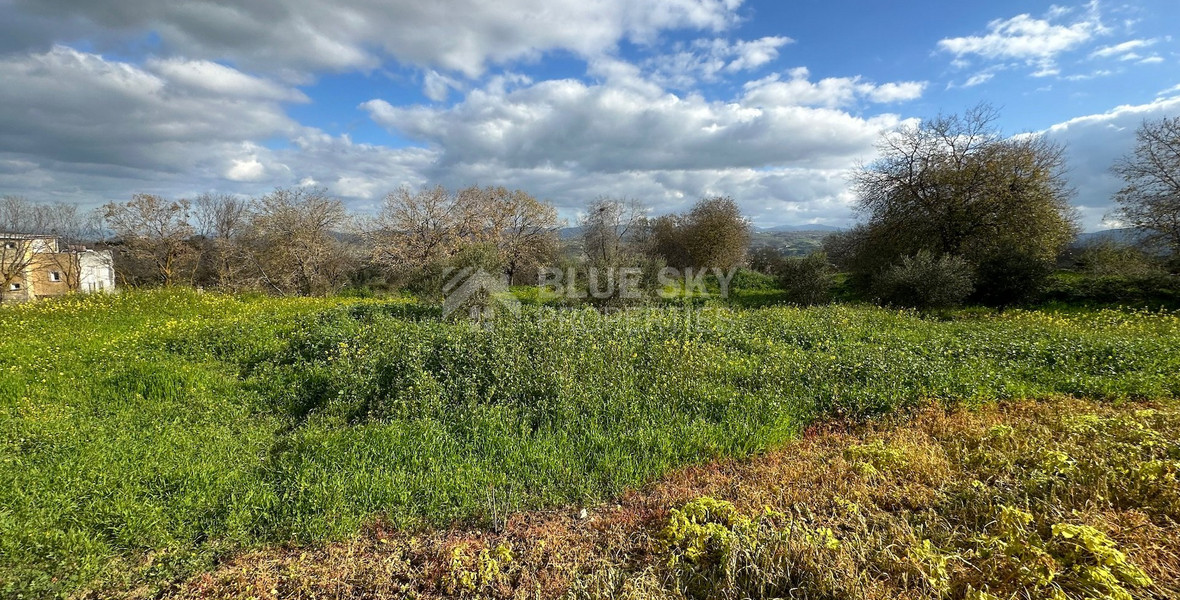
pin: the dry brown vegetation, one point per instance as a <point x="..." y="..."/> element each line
<point x="940" y="503"/>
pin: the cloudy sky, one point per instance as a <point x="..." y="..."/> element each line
<point x="768" y="101"/>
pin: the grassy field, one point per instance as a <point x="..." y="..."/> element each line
<point x="143" y="436"/>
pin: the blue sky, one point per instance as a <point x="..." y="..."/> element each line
<point x="771" y="102"/>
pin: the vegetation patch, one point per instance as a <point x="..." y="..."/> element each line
<point x="972" y="511"/>
<point x="148" y="436"/>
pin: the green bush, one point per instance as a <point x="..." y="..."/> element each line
<point x="808" y="280"/>
<point x="925" y="282"/>
<point x="1010" y="277"/>
<point x="1150" y="291"/>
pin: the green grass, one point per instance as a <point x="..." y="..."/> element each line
<point x="184" y="425"/>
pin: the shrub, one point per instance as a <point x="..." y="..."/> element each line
<point x="1110" y="258"/>
<point x="1010" y="276"/>
<point x="1150" y="291"/>
<point x="807" y="280"/>
<point x="923" y="281"/>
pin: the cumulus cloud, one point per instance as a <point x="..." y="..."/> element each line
<point x="79" y="108"/>
<point x="311" y="35"/>
<point x="82" y="128"/>
<point x="629" y="124"/>
<point x="798" y="90"/>
<point x="709" y="59"/>
<point x="1035" y="41"/>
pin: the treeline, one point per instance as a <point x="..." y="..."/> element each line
<point x="302" y="241"/>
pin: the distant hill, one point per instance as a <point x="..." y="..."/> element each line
<point x="803" y="227"/>
<point x="1126" y="235"/>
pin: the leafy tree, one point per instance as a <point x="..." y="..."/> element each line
<point x="1150" y="200"/>
<point x="712" y="234"/>
<point x="716" y="234"/>
<point x="1010" y="276"/>
<point x="953" y="185"/>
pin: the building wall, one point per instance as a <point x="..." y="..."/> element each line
<point x="42" y="274"/>
<point x="97" y="269"/>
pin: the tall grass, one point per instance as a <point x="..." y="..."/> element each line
<point x="181" y="424"/>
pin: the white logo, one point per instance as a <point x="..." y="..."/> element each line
<point x="478" y="293"/>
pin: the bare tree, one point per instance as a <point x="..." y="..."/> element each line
<point x="222" y="220"/>
<point x="154" y="233"/>
<point x="20" y="222"/>
<point x="526" y="229"/>
<point x="611" y="227"/>
<point x="41" y="236"/>
<point x="71" y="230"/>
<point x="295" y="241"/>
<point x="1151" y="198"/>
<point x="417" y="230"/>
<point x="414" y="229"/>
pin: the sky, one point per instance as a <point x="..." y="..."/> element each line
<point x="771" y="102"/>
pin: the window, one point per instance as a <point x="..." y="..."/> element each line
<point x="10" y="245"/>
<point x="54" y="276"/>
<point x="14" y="286"/>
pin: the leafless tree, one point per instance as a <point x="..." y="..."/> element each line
<point x="20" y="221"/>
<point x="295" y="241"/>
<point x="527" y="229"/>
<point x="1151" y="198"/>
<point x="222" y="221"/>
<point x="416" y="230"/>
<point x="154" y="233"/>
<point x="611" y="227"/>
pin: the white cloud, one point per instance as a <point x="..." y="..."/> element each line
<point x="799" y="90"/>
<point x="247" y="169"/>
<point x="1094" y="142"/>
<point x="628" y="124"/>
<point x="709" y="59"/>
<point x="437" y="86"/>
<point x="1035" y="41"/>
<point x="979" y="79"/>
<point x="80" y="109"/>
<point x="1122" y="50"/>
<point x="311" y="35"/>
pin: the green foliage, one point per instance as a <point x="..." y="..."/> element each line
<point x="187" y="425"/>
<point x="1112" y="259"/>
<point x="1151" y="291"/>
<point x="1010" y="276"/>
<point x="714" y="551"/>
<point x="923" y="281"/>
<point x="806" y="281"/>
